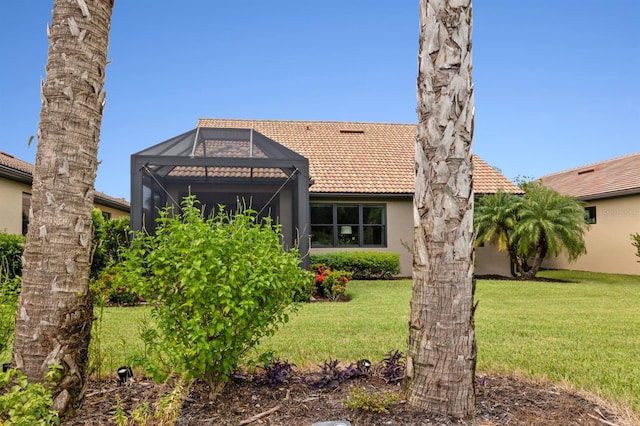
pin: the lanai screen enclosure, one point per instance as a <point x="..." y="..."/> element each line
<point x="227" y="167"/>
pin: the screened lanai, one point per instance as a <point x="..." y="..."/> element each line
<point x="230" y="167"/>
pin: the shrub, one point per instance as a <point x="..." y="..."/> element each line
<point x="331" y="284"/>
<point x="24" y="403"/>
<point x="360" y="399"/>
<point x="305" y="292"/>
<point x="9" y="289"/>
<point x="11" y="247"/>
<point x="108" y="288"/>
<point x="109" y="238"/>
<point x="116" y="237"/>
<point x="364" y="265"/>
<point x="217" y="285"/>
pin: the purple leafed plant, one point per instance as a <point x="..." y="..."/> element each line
<point x="392" y="366"/>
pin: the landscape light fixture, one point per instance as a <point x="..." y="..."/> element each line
<point x="123" y="374"/>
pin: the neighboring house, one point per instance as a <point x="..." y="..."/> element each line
<point x="361" y="182"/>
<point x="15" y="193"/>
<point x="611" y="193"/>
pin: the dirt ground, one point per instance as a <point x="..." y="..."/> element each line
<point x="500" y="401"/>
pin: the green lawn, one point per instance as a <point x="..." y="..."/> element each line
<point x="585" y="333"/>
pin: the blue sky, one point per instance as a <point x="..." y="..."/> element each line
<point x="557" y="82"/>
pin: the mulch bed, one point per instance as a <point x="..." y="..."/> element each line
<point x="500" y="401"/>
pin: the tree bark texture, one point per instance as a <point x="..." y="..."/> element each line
<point x="441" y="355"/>
<point x="55" y="312"/>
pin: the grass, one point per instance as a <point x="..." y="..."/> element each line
<point x="584" y="333"/>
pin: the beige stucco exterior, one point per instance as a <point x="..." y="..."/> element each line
<point x="113" y="212"/>
<point x="608" y="241"/>
<point x="11" y="205"/>
<point x="400" y="238"/>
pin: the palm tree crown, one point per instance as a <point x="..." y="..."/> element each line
<point x="530" y="227"/>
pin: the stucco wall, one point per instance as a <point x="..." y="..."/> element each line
<point x="115" y="213"/>
<point x="490" y="261"/>
<point x="11" y="205"/>
<point x="608" y="241"/>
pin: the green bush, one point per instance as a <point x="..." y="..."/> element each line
<point x="360" y="399"/>
<point x="109" y="238"/>
<point x="9" y="290"/>
<point x="24" y="403"/>
<point x="217" y="286"/>
<point x="364" y="265"/>
<point x="11" y="247"/>
<point x="107" y="288"/>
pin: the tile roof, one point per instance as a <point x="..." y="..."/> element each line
<point x="357" y="157"/>
<point x="610" y="178"/>
<point x="13" y="164"/>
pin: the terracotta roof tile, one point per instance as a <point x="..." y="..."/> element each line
<point x="12" y="162"/>
<point x="610" y="178"/>
<point x="356" y="157"/>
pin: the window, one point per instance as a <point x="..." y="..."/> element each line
<point x="26" y="207"/>
<point x="348" y="225"/>
<point x="106" y="215"/>
<point x="590" y="214"/>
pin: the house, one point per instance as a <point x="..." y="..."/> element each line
<point x="359" y="178"/>
<point x="610" y="191"/>
<point x="15" y="192"/>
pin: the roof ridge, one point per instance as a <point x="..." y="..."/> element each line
<point x="584" y="166"/>
<point x="307" y="121"/>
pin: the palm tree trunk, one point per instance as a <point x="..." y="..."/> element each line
<point x="441" y="352"/>
<point x="55" y="311"/>
<point x="537" y="262"/>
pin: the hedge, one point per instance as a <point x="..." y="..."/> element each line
<point x="11" y="255"/>
<point x="364" y="265"/>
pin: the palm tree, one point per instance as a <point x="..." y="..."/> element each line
<point x="495" y="218"/>
<point x="441" y="352"/>
<point x="55" y="311"/>
<point x="548" y="223"/>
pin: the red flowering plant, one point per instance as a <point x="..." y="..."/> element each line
<point x="330" y="283"/>
<point x="106" y="290"/>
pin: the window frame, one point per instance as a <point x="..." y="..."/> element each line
<point x="592" y="217"/>
<point x="357" y="228"/>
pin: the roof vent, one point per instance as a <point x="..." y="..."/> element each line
<point x="586" y="171"/>
<point x="354" y="131"/>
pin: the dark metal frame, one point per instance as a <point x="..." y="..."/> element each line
<point x="180" y="151"/>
